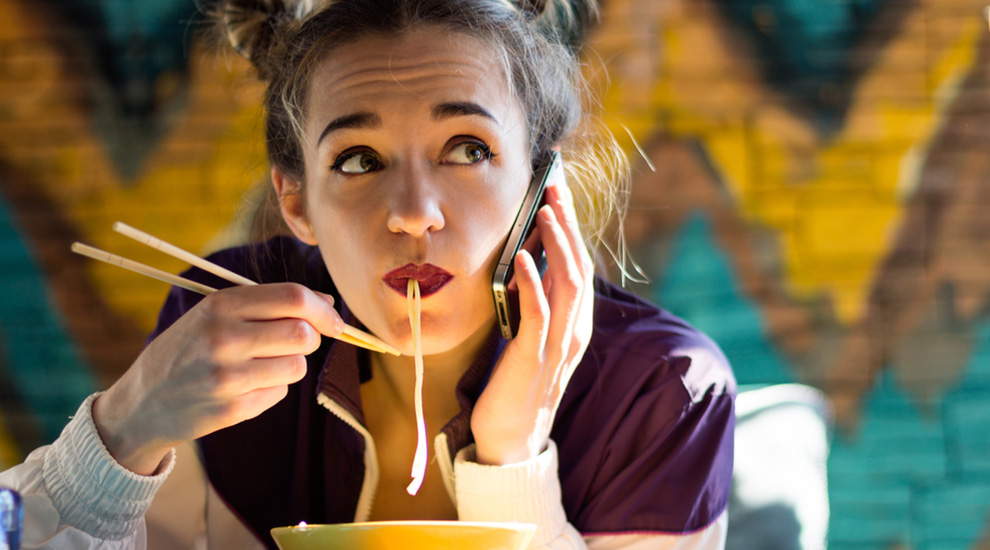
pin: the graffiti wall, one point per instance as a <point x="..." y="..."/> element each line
<point x="821" y="174"/>
<point x="810" y="187"/>
<point x="108" y="111"/>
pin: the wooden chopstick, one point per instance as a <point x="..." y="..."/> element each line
<point x="350" y="335"/>
<point x="370" y="340"/>
<point x="373" y="343"/>
<point x="176" y="252"/>
<point x="104" y="256"/>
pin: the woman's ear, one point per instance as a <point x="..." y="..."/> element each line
<point x="293" y="206"/>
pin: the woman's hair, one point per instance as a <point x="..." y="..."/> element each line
<point x="535" y="41"/>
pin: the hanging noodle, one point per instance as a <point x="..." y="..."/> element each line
<point x="419" y="462"/>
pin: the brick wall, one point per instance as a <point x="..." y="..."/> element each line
<point x="817" y="205"/>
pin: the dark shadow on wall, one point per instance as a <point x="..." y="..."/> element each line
<point x="133" y="58"/>
<point x="814" y="52"/>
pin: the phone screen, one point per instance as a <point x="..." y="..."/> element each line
<point x="522" y="235"/>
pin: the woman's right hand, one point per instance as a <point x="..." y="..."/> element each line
<point x="228" y="359"/>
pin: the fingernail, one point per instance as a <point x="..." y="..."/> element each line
<point x="521" y="258"/>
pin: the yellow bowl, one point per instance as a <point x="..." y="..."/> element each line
<point x="407" y="535"/>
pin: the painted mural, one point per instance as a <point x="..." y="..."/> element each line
<point x="810" y="187"/>
<point x="816" y="207"/>
<point x="109" y="111"/>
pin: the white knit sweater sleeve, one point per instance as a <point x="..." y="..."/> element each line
<point x="75" y="495"/>
<point x="527" y="492"/>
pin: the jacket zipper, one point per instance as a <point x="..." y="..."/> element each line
<point x="370" y="484"/>
<point x="446" y="468"/>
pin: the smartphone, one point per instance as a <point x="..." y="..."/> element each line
<point x="522" y="234"/>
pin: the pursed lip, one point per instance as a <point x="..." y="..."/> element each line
<point x="431" y="278"/>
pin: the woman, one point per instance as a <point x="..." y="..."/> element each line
<point x="402" y="137"/>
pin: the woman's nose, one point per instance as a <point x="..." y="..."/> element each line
<point x="414" y="207"/>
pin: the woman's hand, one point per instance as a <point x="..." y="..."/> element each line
<point x="512" y="419"/>
<point x="226" y="360"/>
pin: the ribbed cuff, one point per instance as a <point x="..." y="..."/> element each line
<point x="90" y="490"/>
<point x="527" y="492"/>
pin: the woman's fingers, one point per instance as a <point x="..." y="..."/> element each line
<point x="567" y="281"/>
<point x="534" y="312"/>
<point x="561" y="200"/>
<point x="237" y="340"/>
<point x="268" y="372"/>
<point x="570" y="282"/>
<point x="278" y="301"/>
<point x="255" y="402"/>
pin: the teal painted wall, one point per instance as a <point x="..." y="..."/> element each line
<point x="817" y="206"/>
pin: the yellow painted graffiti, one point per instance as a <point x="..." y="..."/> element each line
<point x="833" y="202"/>
<point x="191" y="185"/>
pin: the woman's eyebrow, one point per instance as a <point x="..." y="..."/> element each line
<point x="353" y="121"/>
<point x="461" y="108"/>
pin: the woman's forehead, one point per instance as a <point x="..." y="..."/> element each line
<point x="419" y="68"/>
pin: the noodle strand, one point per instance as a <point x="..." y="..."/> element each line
<point x="419" y="462"/>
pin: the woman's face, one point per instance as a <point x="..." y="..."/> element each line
<point x="417" y="160"/>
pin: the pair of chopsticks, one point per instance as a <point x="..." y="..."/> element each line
<point x="350" y="335"/>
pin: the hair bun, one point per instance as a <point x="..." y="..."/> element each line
<point x="535" y="7"/>
<point x="566" y="20"/>
<point x="254" y="27"/>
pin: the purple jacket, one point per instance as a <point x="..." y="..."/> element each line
<point x="644" y="431"/>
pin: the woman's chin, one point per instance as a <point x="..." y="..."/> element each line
<point x="431" y="346"/>
<point x="437" y="340"/>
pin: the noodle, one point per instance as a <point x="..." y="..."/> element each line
<point x="419" y="462"/>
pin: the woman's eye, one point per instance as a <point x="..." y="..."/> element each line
<point x="357" y="162"/>
<point x="469" y="152"/>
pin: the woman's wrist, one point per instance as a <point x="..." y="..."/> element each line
<point x="508" y="453"/>
<point x="518" y="441"/>
<point x="130" y="446"/>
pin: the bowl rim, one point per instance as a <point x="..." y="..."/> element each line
<point x="512" y="525"/>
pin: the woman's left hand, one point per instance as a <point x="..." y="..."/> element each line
<point x="512" y="419"/>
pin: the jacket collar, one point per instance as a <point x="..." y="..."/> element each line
<point x="347" y="366"/>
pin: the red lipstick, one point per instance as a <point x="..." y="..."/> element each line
<point x="431" y="278"/>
